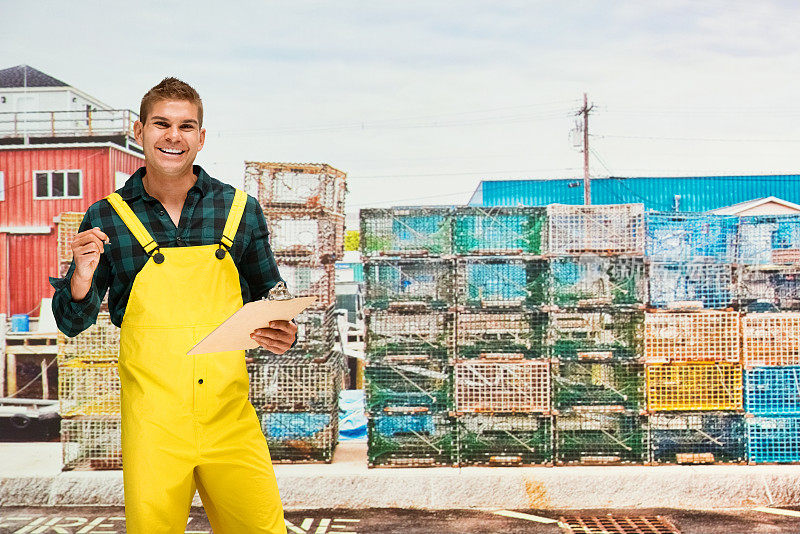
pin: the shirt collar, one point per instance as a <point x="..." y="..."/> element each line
<point x="134" y="188"/>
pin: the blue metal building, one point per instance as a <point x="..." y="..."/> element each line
<point x="694" y="193"/>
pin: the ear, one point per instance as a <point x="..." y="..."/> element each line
<point x="137" y="132"/>
<point x="202" y="139"/>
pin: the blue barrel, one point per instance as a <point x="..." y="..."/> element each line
<point x="20" y="322"/>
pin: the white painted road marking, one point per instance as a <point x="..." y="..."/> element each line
<point x="527" y="517"/>
<point x="777" y="511"/>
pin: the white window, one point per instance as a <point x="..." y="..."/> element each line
<point x="2" y="186"/>
<point x="58" y="184"/>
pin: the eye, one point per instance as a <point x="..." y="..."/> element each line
<point x="188" y="127"/>
<point x="162" y="124"/>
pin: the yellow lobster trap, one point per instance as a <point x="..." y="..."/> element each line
<point x="694" y="386"/>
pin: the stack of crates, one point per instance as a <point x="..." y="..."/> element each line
<point x="596" y="297"/>
<point x="410" y="325"/>
<point x="501" y="371"/>
<point x="694" y="387"/>
<point x="296" y="394"/>
<point x="771" y="354"/>
<point x="769" y="259"/>
<point x="88" y="379"/>
<point x="89" y="397"/>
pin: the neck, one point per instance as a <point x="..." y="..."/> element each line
<point x="168" y="189"/>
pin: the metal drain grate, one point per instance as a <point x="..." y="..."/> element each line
<point x="619" y="524"/>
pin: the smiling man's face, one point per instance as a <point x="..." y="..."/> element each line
<point x="171" y="137"/>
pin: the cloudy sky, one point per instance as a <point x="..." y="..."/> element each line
<point x="419" y="101"/>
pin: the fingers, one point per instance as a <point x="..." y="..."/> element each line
<point x="93" y="236"/>
<point x="273" y="335"/>
<point x="276" y="340"/>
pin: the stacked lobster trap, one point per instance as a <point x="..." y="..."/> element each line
<point x="296" y="394"/>
<point x="596" y="297"/>
<point x="88" y="379"/>
<point x="410" y="327"/>
<point x="501" y="369"/>
<point x="89" y="397"/>
<point x="694" y="386"/>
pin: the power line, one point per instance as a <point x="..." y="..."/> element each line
<point x="720" y="139"/>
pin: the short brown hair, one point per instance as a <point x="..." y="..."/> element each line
<point x="170" y="89"/>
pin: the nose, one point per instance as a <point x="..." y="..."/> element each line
<point x="173" y="133"/>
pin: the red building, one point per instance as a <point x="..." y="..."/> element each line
<point x="60" y="151"/>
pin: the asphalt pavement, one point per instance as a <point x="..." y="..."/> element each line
<point x="110" y="519"/>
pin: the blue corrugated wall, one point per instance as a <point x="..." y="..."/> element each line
<point x="700" y="193"/>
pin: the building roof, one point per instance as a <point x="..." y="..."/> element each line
<point x="677" y="193"/>
<point x="26" y="76"/>
<point x="760" y="206"/>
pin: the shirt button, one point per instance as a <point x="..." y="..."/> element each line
<point x="180" y="241"/>
<point x="161" y="212"/>
<point x="200" y="381"/>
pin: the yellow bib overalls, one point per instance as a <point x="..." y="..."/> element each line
<point x="186" y="420"/>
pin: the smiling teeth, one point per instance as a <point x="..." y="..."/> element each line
<point x="171" y="151"/>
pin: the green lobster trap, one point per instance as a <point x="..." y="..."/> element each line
<point x="593" y="281"/>
<point x="406" y="231"/>
<point x="501" y="282"/>
<point x="600" y="438"/>
<point x="596" y="335"/>
<point x="400" y="388"/>
<point x="498" y="440"/>
<point x="409" y="283"/>
<point x="410" y="440"/>
<point x="499" y="230"/>
<point x="503" y="334"/>
<point x="606" y="386"/>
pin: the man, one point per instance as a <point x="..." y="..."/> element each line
<point x="179" y="252"/>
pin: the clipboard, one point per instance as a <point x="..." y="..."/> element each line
<point x="234" y="333"/>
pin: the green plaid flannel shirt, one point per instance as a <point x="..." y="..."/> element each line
<point x="202" y="222"/>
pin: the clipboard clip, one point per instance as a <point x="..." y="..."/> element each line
<point x="279" y="292"/>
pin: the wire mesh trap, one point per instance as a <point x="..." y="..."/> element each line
<point x="618" y="524"/>
<point x="598" y="386"/>
<point x="410" y="440"/>
<point x="409" y="336"/>
<point x="510" y="440"/>
<point x="600" y="438"/>
<point x="603" y="229"/>
<point x="409" y="283"/>
<point x="69" y="223"/>
<point x="300" y="437"/>
<point x="483" y="386"/>
<point x="315" y="337"/>
<point x="311" y="281"/>
<point x="100" y="342"/>
<point x="708" y="437"/>
<point x="769" y="239"/>
<point x="406" y="231"/>
<point x="606" y="335"/>
<point x="775" y="286"/>
<point x="92" y="442"/>
<point x="500" y="334"/>
<point x="771" y="339"/>
<point x="501" y="282"/>
<point x="591" y="281"/>
<point x="710" y="285"/>
<point x="88" y="388"/>
<point x="301" y="236"/>
<point x="296" y="185"/>
<point x="499" y="230"/>
<point x="694" y="386"/>
<point x="700" y="336"/>
<point x="392" y="388"/>
<point x="687" y="237"/>
<point x="773" y="390"/>
<point x="296" y="384"/>
<point x="773" y="439"/>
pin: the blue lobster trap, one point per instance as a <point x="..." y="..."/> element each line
<point x="418" y="282"/>
<point x="710" y="284"/>
<point x="500" y="281"/>
<point x="773" y="439"/>
<point x="769" y="239"/>
<point x="411" y="440"/>
<point x="591" y="281"/>
<point x="773" y="390"/>
<point x="678" y="237"/>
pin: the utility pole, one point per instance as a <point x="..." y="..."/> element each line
<point x="587" y="182"/>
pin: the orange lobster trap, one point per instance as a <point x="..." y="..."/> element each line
<point x="689" y="337"/>
<point x="771" y="339"/>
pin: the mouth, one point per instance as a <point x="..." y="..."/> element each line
<point x="171" y="151"/>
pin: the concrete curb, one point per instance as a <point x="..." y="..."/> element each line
<point x="347" y="483"/>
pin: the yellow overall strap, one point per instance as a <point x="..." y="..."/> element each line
<point x="132" y="222"/>
<point x="234" y="218"/>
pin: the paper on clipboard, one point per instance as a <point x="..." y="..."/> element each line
<point x="234" y="333"/>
